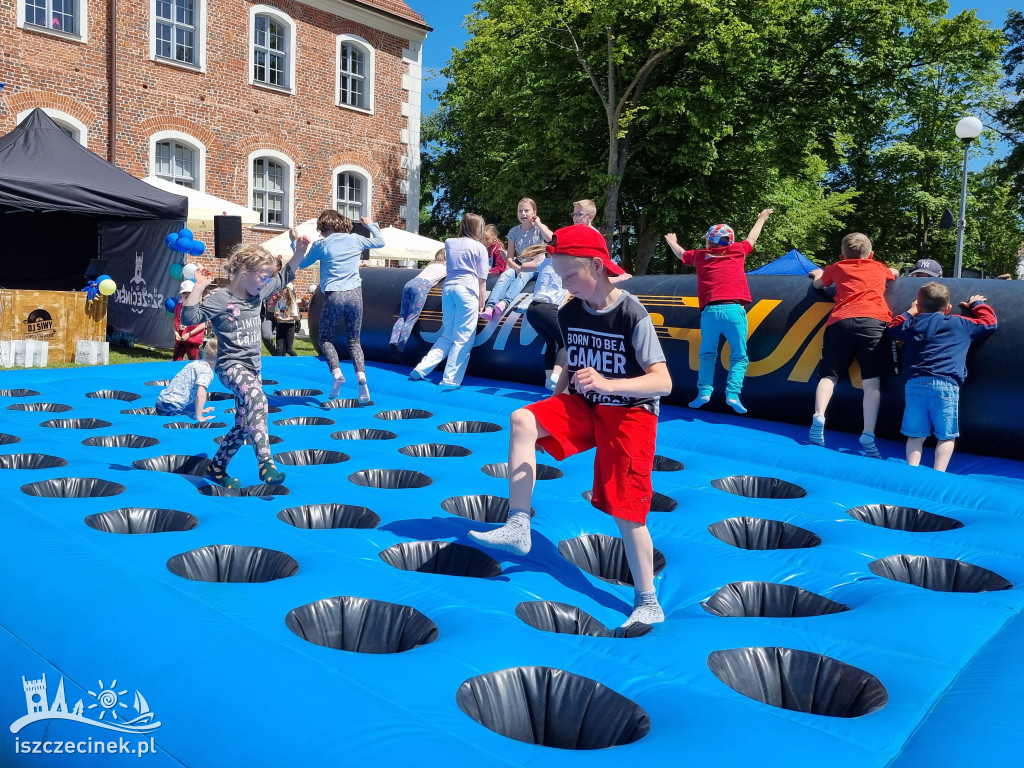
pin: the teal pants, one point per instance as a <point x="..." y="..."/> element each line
<point x="730" y="321"/>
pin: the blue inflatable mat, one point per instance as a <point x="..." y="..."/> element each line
<point x="822" y="607"/>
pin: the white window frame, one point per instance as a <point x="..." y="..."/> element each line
<point x="65" y="120"/>
<point x="289" y="191"/>
<point x="290" y="67"/>
<point x="198" y="157"/>
<point x="81" y="14"/>
<point x="370" y="68"/>
<point x="367" y="187"/>
<point x="199" y="43"/>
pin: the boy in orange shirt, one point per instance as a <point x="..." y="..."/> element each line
<point x="855" y="329"/>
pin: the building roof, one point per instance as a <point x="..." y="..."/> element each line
<point x="395" y="8"/>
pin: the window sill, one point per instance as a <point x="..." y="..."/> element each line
<point x="179" y="65"/>
<point x="351" y="108"/>
<point x="284" y="91"/>
<point x="275" y="228"/>
<point x="69" y="36"/>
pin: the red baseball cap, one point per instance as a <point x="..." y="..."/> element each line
<point x="583" y="241"/>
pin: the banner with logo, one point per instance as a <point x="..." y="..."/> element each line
<point x="138" y="260"/>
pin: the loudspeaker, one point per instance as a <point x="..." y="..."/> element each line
<point x="227" y="233"/>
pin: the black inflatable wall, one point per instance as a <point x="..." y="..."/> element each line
<point x="786" y="322"/>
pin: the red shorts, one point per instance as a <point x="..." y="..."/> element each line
<point x="624" y="438"/>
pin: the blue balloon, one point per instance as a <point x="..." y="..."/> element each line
<point x="169" y="240"/>
<point x="101" y="278"/>
<point x="185" y="233"/>
<point x="171" y="304"/>
<point x="198" y="248"/>
<point x="184" y="245"/>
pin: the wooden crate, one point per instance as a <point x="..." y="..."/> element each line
<point x="61" y="318"/>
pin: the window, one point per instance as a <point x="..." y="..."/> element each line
<point x="58" y="15"/>
<point x="355" y="73"/>
<point x="352" y="192"/>
<point x="176" y="31"/>
<point x="72" y="126"/>
<point x="175" y="162"/>
<point x="270" y="179"/>
<point x="272" y="48"/>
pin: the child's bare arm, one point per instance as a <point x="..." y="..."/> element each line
<point x="511" y="258"/>
<point x="563" y="382"/>
<point x="655" y="382"/>
<point x="620" y="278"/>
<point x="815" y="275"/>
<point x="201" y="409"/>
<point x="673" y="244"/>
<point x="544" y="230"/>
<point x="755" y="231"/>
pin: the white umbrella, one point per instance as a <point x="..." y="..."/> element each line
<point x="400" y="244"/>
<point x="281" y="245"/>
<point x="203" y="207"/>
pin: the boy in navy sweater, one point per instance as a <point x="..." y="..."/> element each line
<point x="935" y="358"/>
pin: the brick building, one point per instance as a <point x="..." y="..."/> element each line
<point x="288" y="108"/>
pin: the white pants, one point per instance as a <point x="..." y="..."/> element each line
<point x="460" y="306"/>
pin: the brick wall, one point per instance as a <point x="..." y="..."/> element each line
<point x="219" y="109"/>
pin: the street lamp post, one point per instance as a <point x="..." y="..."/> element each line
<point x="967" y="130"/>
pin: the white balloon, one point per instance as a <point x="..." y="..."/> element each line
<point x="189" y="271"/>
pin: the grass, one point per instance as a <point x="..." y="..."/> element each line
<point x="121" y="355"/>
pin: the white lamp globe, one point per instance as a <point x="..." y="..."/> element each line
<point x="969" y="128"/>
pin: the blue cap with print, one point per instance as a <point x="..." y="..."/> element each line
<point x="721" y="234"/>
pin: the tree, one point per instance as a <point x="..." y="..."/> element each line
<point x="1012" y="114"/>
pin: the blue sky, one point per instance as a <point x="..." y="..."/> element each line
<point x="447" y="16"/>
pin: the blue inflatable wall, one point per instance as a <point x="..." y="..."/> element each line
<point x="822" y="608"/>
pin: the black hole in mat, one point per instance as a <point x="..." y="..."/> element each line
<point x="434" y="450"/>
<point x="31" y="461"/>
<point x="195" y="425"/>
<point x="178" y="464"/>
<point x="903" y="518"/>
<point x="298" y="392"/>
<point x="799" y="680"/>
<point x="304" y="421"/>
<point x="404" y="413"/>
<point x="113" y="394"/>
<point x="46" y="407"/>
<point x="342" y="403"/>
<point x="18" y="393"/>
<point x="268" y="382"/>
<point x="665" y="464"/>
<point x="362" y="626"/>
<point x="323" y="516"/>
<point x="76" y="424"/>
<point x="939" y="574"/>
<point x="483" y="508"/>
<point x="148" y="410"/>
<point x="767" y="599"/>
<point x="390" y="478"/>
<point x="659" y="501"/>
<point x="759" y="487"/>
<point x="271" y="439"/>
<point x="604" y="557"/>
<point x="564" y="619"/>
<point x="364" y="434"/>
<point x="552" y="708"/>
<point x="234" y="563"/>
<point x="73" y="488"/>
<point x="441" y="557"/>
<point x="142" y="520"/>
<point x="213" y="397"/>
<point x="469" y="426"/>
<point x="6" y="439"/>
<point x="121" y="441"/>
<point x="310" y="456"/>
<point x="258" y="491"/>
<point x="270" y="409"/>
<point x="158" y="383"/>
<point x="756" y="533"/>
<point x="544" y="472"/>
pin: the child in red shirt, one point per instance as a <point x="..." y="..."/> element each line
<point x="187" y="339"/>
<point x="721" y="293"/>
<point x="855" y="329"/>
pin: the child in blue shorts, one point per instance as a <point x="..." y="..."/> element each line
<point x="935" y="358"/>
<point x="187" y="390"/>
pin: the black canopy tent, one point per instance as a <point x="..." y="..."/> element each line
<point x="62" y="205"/>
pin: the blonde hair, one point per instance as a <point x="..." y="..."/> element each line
<point x="210" y="350"/>
<point x="492" y="230"/>
<point x="529" y="254"/>
<point x="529" y="202"/>
<point x="441" y="255"/>
<point x="472" y="227"/>
<point x="856" y="246"/>
<point x="252" y="257"/>
<point x="588" y="207"/>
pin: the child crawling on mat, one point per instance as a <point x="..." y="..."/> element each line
<point x="606" y="398"/>
<point x="187" y="390"/>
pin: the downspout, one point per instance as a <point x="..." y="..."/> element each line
<point x="112" y="82"/>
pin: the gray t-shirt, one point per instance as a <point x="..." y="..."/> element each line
<point x="236" y="321"/>
<point x="524" y="240"/>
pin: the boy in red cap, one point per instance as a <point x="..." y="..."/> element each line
<point x="606" y="398"/>
<point x="721" y="293"/>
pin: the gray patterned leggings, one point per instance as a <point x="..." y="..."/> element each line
<point x="347" y="306"/>
<point x="250" y="415"/>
